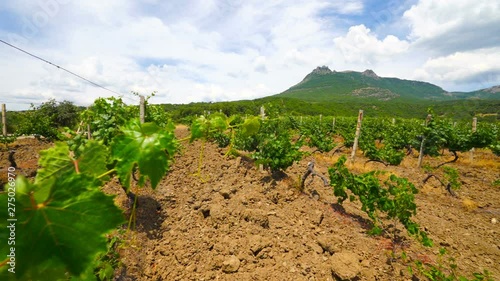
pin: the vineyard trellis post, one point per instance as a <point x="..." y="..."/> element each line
<point x="356" y="137"/>
<point x="320" y="118"/>
<point x="262" y="116"/>
<point x="141" y="109"/>
<point x="4" y="120"/>
<point x="474" y="128"/>
<point x="421" y="152"/>
<point x="89" y="134"/>
<point x="333" y="124"/>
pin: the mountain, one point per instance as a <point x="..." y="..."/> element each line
<point x="333" y="93"/>
<point x="489" y="93"/>
<point x="323" y="85"/>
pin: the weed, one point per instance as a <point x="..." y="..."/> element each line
<point x="496" y="183"/>
<point x="445" y="271"/>
<point x="452" y="176"/>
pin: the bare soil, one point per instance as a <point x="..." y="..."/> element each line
<point x="227" y="220"/>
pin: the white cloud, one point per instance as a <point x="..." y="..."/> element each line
<point x="215" y="50"/>
<point x="259" y="64"/>
<point x="360" y="45"/>
<point x="449" y="26"/>
<point x="481" y="67"/>
<point x="347" y="7"/>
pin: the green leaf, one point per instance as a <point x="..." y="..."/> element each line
<point x="106" y="273"/>
<point x="198" y="128"/>
<point x="56" y="161"/>
<point x="250" y="127"/>
<point x="375" y="231"/>
<point x="62" y="233"/>
<point x="218" y="122"/>
<point x="147" y="145"/>
<point x="442" y="251"/>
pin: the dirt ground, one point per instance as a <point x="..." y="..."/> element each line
<point x="226" y="220"/>
<point x="26" y="157"/>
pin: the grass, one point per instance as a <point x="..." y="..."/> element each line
<point x="483" y="158"/>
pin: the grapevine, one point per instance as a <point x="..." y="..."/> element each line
<point x="395" y="197"/>
<point x="63" y="215"/>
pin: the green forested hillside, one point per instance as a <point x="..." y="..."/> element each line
<point x="346" y="86"/>
<point x="322" y="85"/>
<point x="487" y="110"/>
<point x="335" y="93"/>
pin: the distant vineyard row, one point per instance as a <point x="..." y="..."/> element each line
<point x="66" y="114"/>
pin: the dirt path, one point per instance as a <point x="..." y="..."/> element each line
<point x="232" y="222"/>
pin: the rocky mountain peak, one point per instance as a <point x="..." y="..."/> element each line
<point x="370" y="73"/>
<point x="322" y="70"/>
<point x="493" y="90"/>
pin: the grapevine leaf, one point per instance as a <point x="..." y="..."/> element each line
<point x="43" y="192"/>
<point x="56" y="161"/>
<point x="198" y="128"/>
<point x="146" y="145"/>
<point x="232" y="118"/>
<point x="218" y="122"/>
<point x="61" y="234"/>
<point x="250" y="127"/>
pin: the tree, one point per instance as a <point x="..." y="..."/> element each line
<point x="44" y="120"/>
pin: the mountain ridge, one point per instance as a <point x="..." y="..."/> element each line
<point x="343" y="93"/>
<point x="324" y="84"/>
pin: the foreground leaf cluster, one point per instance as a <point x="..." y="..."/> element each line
<point x="62" y="215"/>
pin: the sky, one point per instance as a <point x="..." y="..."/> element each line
<point x="222" y="50"/>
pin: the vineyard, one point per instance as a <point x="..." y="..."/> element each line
<point x="268" y="197"/>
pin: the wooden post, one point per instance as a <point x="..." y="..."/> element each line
<point x="474" y="128"/>
<point x="262" y="116"/>
<point x="300" y="120"/>
<point x="79" y="127"/>
<point x="421" y="152"/>
<point x="356" y="137"/>
<point x="89" y="135"/>
<point x="333" y="124"/>
<point x="4" y="120"/>
<point x="141" y="109"/>
<point x="320" y="118"/>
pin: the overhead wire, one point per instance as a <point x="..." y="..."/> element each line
<point x="64" y="69"/>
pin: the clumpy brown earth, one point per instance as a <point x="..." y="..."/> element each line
<point x="26" y="157"/>
<point x="226" y="220"/>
